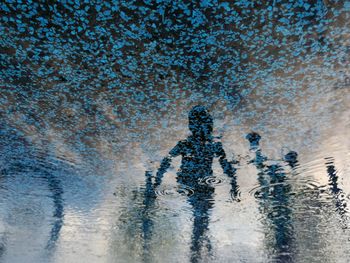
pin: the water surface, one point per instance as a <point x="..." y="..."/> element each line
<point x="94" y="95"/>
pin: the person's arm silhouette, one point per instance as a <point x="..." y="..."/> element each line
<point x="228" y="169"/>
<point x="165" y="164"/>
<point x="226" y="166"/>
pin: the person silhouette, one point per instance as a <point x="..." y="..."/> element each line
<point x="198" y="152"/>
<point x="274" y="196"/>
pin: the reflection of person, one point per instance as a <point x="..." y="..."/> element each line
<point x="274" y="195"/>
<point x="147" y="223"/>
<point x="198" y="152"/>
<point x="337" y="193"/>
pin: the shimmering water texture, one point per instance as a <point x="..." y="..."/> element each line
<point x="174" y="131"/>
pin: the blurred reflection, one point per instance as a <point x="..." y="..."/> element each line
<point x="2" y="234"/>
<point x="2" y="245"/>
<point x="2" y="249"/>
<point x="32" y="168"/>
<point x="147" y="223"/>
<point x="55" y="188"/>
<point x="198" y="152"/>
<point x="275" y="202"/>
<point x="24" y="159"/>
<point x="337" y="193"/>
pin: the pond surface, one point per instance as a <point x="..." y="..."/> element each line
<point x="94" y="96"/>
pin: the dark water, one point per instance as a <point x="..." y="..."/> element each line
<point x="93" y="95"/>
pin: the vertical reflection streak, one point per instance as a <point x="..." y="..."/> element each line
<point x="337" y="193"/>
<point x="202" y="203"/>
<point x="274" y="200"/>
<point x="2" y="241"/>
<point x="56" y="189"/>
<point x="147" y="223"/>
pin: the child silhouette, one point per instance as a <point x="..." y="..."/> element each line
<point x="198" y="152"/>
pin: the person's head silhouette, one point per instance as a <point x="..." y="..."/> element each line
<point x="200" y="122"/>
<point x="291" y="158"/>
<point x="253" y="139"/>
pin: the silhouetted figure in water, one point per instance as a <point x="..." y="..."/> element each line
<point x="337" y="193"/>
<point x="147" y="223"/>
<point x="274" y="195"/>
<point x="198" y="152"/>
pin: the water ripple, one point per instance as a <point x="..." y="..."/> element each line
<point x="175" y="191"/>
<point x="305" y="184"/>
<point x="214" y="180"/>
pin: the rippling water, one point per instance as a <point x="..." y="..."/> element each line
<point x="93" y="96"/>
